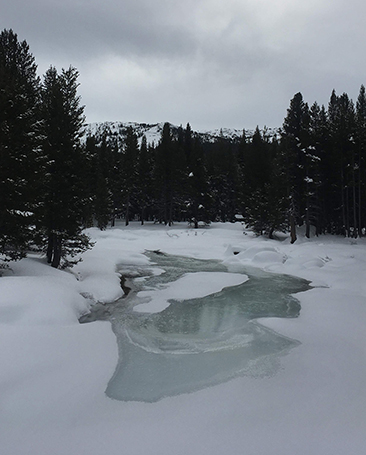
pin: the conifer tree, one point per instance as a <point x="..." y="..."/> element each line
<point x="61" y="215"/>
<point x="294" y="149"/>
<point x="341" y="114"/>
<point x="188" y="144"/>
<point x="242" y="151"/>
<point x="164" y="174"/>
<point x="101" y="160"/>
<point x="198" y="198"/>
<point x="257" y="170"/>
<point x="20" y="139"/>
<point x="144" y="179"/>
<point x="106" y="175"/>
<point x="360" y="139"/>
<point x="223" y="178"/>
<point x="316" y="186"/>
<point x="129" y="171"/>
<point x="277" y="192"/>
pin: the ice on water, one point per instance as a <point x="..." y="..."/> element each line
<point x="202" y="341"/>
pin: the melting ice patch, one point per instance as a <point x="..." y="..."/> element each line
<point x="189" y="286"/>
<point x="198" y="328"/>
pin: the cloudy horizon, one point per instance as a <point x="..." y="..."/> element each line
<point x="212" y="63"/>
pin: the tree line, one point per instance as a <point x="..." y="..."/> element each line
<point x="55" y="181"/>
<point x="42" y="161"/>
<point x="310" y="173"/>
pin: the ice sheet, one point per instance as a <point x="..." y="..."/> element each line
<point x="190" y="286"/>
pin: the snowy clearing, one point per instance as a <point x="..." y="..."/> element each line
<point x="54" y="371"/>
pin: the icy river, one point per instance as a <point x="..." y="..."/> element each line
<point x="199" y="342"/>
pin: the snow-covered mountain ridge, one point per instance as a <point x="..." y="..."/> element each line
<point x="153" y="131"/>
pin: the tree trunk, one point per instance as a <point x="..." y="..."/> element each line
<point x="348" y="224"/>
<point x="359" y="202"/>
<point x="292" y="221"/>
<point x="354" y="203"/>
<point x="171" y="210"/>
<point x="270" y="233"/>
<point x="50" y="248"/>
<point x="128" y="211"/>
<point x="355" y="228"/>
<point x="293" y="229"/>
<point x="307" y="220"/>
<point x="56" y="251"/>
<point x="343" y="204"/>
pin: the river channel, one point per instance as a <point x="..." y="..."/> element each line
<point x="196" y="343"/>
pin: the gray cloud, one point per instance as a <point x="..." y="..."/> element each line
<point x="210" y="62"/>
<point x="84" y="28"/>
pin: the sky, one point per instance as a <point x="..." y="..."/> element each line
<point x="212" y="63"/>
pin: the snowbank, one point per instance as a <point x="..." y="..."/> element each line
<point x="53" y="371"/>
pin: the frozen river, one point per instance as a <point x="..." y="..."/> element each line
<point x="196" y="343"/>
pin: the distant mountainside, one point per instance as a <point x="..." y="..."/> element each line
<point x="153" y="131"/>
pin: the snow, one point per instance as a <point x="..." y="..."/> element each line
<point x="261" y="255"/>
<point x="190" y="286"/>
<point x="153" y="132"/>
<point x="54" y="371"/>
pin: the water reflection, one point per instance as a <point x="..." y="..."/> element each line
<point x="200" y="342"/>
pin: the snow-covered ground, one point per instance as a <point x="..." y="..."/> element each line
<point x="54" y="371"/>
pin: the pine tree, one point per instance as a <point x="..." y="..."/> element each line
<point x="197" y="197"/>
<point x="99" y="172"/>
<point x="262" y="192"/>
<point x="222" y="169"/>
<point x="129" y="171"/>
<point x="277" y="192"/>
<point x="20" y="139"/>
<point x="257" y="180"/>
<point x="317" y="186"/>
<point x="181" y="154"/>
<point x="294" y="149"/>
<point x="242" y="150"/>
<point x="61" y="215"/>
<point x="188" y="144"/>
<point x="164" y="175"/>
<point x="144" y="179"/>
<point x="360" y="164"/>
<point x="104" y="150"/>
<point x="341" y="115"/>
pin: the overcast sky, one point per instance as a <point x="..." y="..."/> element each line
<point x="213" y="63"/>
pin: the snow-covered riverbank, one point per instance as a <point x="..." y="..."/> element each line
<point x="54" y="371"/>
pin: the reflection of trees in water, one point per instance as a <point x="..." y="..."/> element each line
<point x="265" y="296"/>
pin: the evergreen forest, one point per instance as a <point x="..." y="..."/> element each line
<point x="56" y="180"/>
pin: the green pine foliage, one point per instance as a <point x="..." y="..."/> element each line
<point x="198" y="200"/>
<point x="99" y="178"/>
<point x="129" y="173"/>
<point x="360" y="161"/>
<point x="222" y="169"/>
<point x="144" y="184"/>
<point x="20" y="139"/>
<point x="169" y="174"/>
<point x="261" y="193"/>
<point x="311" y="175"/>
<point x="61" y="216"/>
